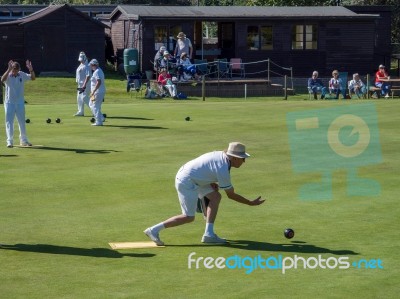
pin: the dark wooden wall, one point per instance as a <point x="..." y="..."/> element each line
<point x="53" y="42"/>
<point x="343" y="45"/>
<point x="11" y="45"/>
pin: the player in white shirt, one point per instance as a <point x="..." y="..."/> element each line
<point x="203" y="177"/>
<point x="98" y="91"/>
<point x="14" y="101"/>
<point x="82" y="78"/>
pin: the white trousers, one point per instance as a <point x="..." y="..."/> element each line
<point x="171" y="89"/>
<point x="12" y="110"/>
<point x="95" y="106"/>
<point x="189" y="192"/>
<point x="82" y="99"/>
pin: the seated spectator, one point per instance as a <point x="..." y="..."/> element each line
<point x="168" y="62"/>
<point x="357" y="86"/>
<point x="315" y="85"/>
<point x="384" y="86"/>
<point x="165" y="80"/>
<point x="336" y="85"/>
<point x="158" y="56"/>
<point x="185" y="67"/>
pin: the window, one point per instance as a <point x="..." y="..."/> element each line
<point x="166" y="36"/>
<point x="266" y="38"/>
<point x="259" y="38"/>
<point x="304" y="37"/>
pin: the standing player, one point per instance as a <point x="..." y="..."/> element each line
<point x="98" y="90"/>
<point x="202" y="177"/>
<point x="14" y="101"/>
<point x="82" y="78"/>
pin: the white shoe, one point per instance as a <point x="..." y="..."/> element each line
<point x="97" y="125"/>
<point x="213" y="240"/>
<point x="154" y="237"/>
<point x="25" y="144"/>
<point x="387" y="95"/>
<point x="78" y="114"/>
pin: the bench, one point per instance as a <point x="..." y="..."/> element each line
<point x="372" y="90"/>
<point x="393" y="89"/>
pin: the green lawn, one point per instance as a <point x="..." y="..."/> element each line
<point x="62" y="203"/>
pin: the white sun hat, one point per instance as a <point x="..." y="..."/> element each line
<point x="237" y="149"/>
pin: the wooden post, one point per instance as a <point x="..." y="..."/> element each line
<point x="285" y="87"/>
<point x="1" y="92"/>
<point x="368" y="86"/>
<point x="203" y="88"/>
<point x="291" y="78"/>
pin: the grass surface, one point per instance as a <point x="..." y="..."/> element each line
<point x="62" y="203"/>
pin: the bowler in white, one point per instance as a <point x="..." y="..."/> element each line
<point x="203" y="177"/>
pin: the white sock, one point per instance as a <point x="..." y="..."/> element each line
<point x="156" y="228"/>
<point x="209" y="229"/>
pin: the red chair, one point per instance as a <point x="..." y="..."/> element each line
<point x="236" y="66"/>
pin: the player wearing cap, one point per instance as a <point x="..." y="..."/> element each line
<point x="98" y="90"/>
<point x="203" y="177"/>
<point x="82" y="78"/>
<point x="384" y="86"/>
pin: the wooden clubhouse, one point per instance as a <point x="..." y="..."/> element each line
<point x="304" y="38"/>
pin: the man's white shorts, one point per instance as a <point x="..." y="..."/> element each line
<point x="188" y="193"/>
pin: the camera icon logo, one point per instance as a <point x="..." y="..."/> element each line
<point x="325" y="140"/>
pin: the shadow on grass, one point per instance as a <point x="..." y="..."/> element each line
<point x="294" y="246"/>
<point x="76" y="150"/>
<point x="66" y="250"/>
<point x="128" y="117"/>
<point x="8" y="156"/>
<point x="136" y="127"/>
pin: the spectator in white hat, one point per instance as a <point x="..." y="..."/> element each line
<point x="82" y="78"/>
<point x="202" y="178"/>
<point x="98" y="91"/>
<point x="183" y="45"/>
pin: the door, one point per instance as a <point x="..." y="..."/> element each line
<point x="46" y="48"/>
<point x="226" y="36"/>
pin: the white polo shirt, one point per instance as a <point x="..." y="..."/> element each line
<point x="208" y="168"/>
<point x="82" y="72"/>
<point x="98" y="75"/>
<point x="14" y="92"/>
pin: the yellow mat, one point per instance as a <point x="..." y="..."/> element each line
<point x="130" y="245"/>
<point x="25" y="146"/>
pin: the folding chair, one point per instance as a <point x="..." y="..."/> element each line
<point x="320" y="90"/>
<point x="353" y="93"/>
<point x="343" y="87"/>
<point x="236" y="66"/>
<point x="134" y="83"/>
<point x="222" y="67"/>
<point x="202" y="66"/>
